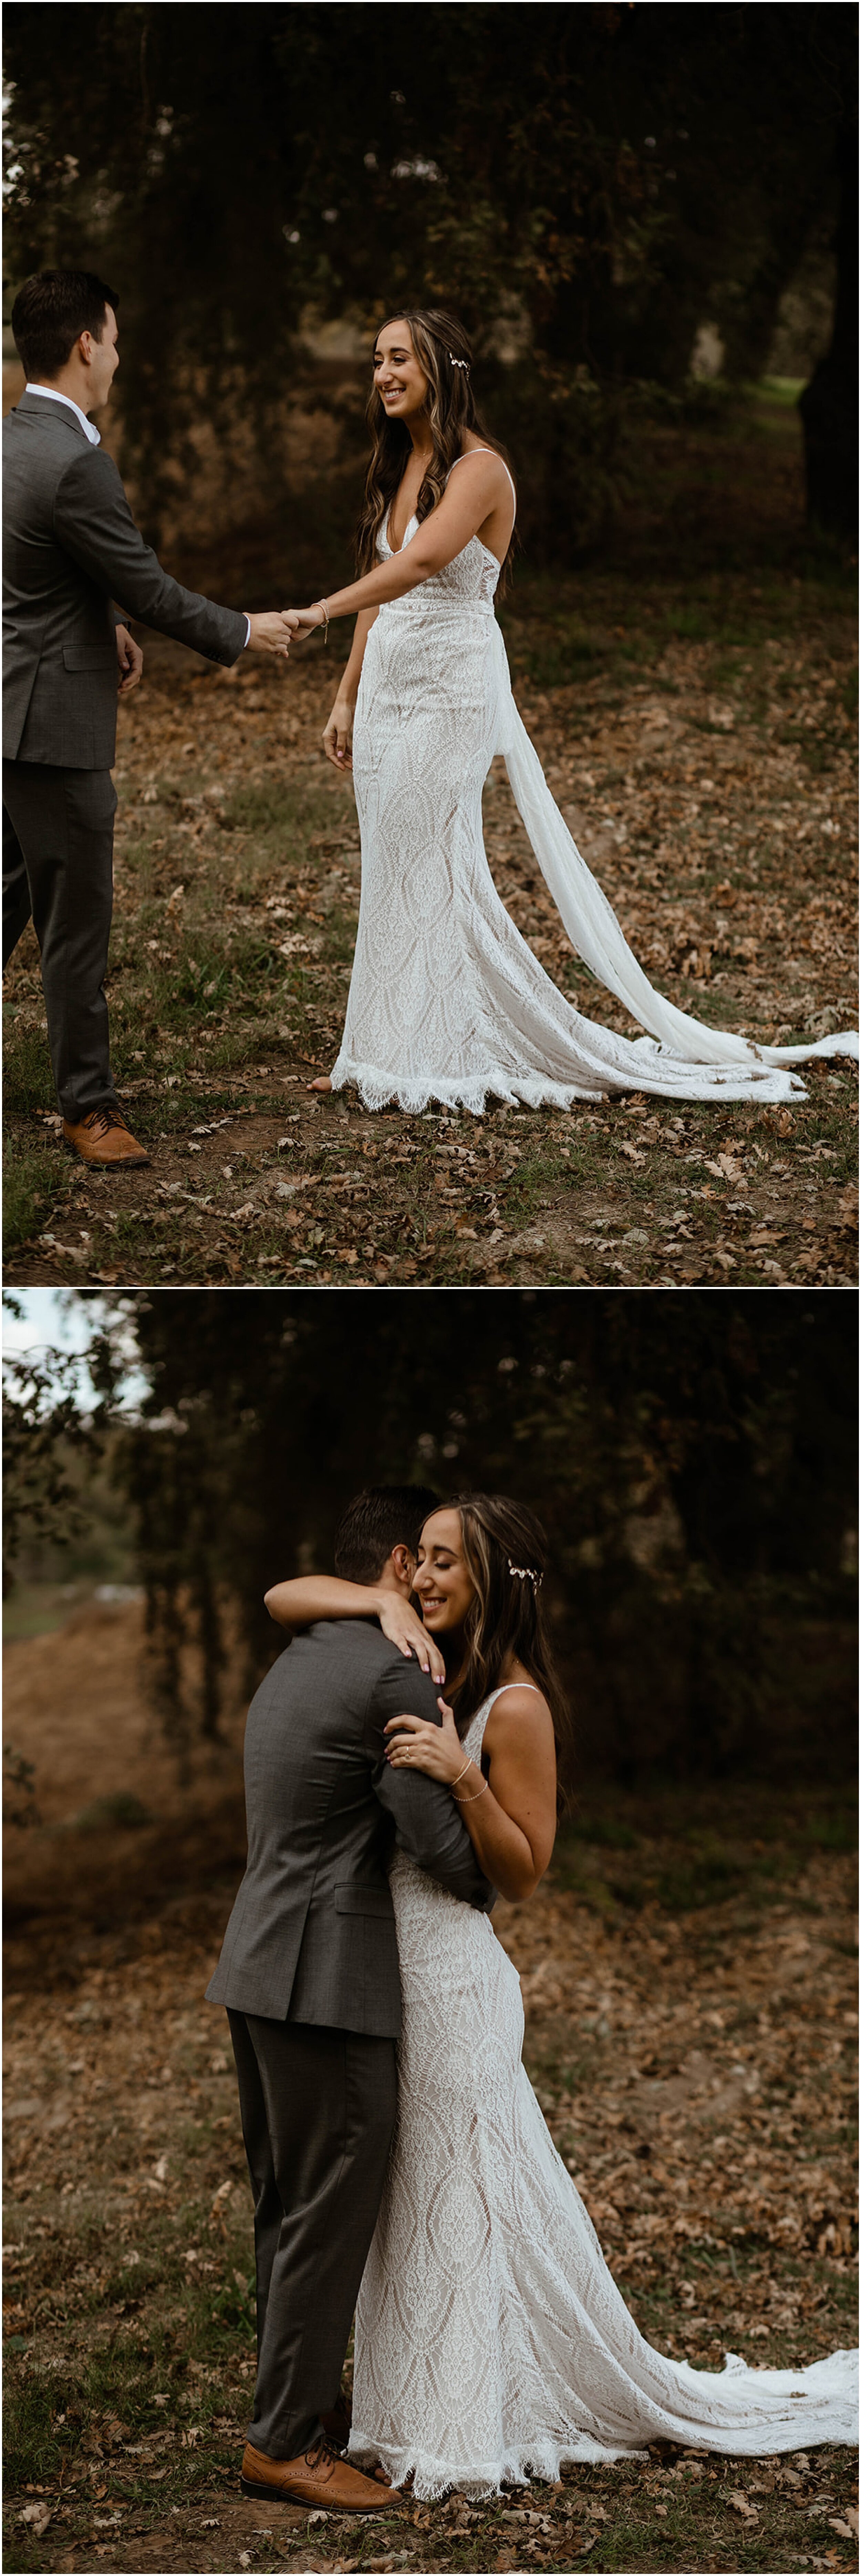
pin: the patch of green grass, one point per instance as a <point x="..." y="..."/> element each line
<point x="35" y="1179"/>
<point x="666" y="1852"/>
<point x="38" y="1609"/>
<point x="32" y="2447"/>
<point x="236" y="974"/>
<point x="27" y="1084"/>
<point x="281" y="806"/>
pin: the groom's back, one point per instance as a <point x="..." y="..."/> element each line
<point x="312" y="1931"/>
<point x="60" y="661"/>
<point x="307" y="1775"/>
<point x="42" y="583"/>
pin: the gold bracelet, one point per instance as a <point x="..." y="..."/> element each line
<point x="472" y="1802"/>
<point x="460" y="1775"/>
<point x="325" y="608"/>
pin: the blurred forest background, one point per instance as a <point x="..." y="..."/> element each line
<point x="627" y="207"/>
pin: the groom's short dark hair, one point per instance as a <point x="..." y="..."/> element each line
<point x="378" y="1519"/>
<point x="50" y="312"/>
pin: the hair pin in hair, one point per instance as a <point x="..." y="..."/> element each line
<point x="527" y="1574"/>
<point x="459" y="362"/>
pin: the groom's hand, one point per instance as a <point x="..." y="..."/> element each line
<point x="130" y="659"/>
<point x="272" y="630"/>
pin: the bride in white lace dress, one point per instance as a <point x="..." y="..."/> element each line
<point x="447" y="1001"/>
<point x="491" y="2339"/>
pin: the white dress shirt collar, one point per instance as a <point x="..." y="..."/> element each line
<point x="50" y="394"/>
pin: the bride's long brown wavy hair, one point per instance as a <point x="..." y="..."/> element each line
<point x="437" y="340"/>
<point x="507" y="1616"/>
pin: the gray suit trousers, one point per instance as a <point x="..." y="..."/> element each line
<point x="318" y="2110"/>
<point x="58" y="865"/>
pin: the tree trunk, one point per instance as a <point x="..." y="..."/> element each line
<point x="829" y="404"/>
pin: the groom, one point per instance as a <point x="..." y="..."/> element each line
<point x="309" y="1975"/>
<point x="71" y="548"/>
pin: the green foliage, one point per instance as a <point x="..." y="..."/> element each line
<point x="65" y="1519"/>
<point x="45" y="1433"/>
<point x="121" y="1809"/>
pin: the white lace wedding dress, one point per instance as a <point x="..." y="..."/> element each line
<point x="491" y="2339"/>
<point x="446" y="1000"/>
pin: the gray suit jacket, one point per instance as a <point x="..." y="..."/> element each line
<point x="312" y="1932"/>
<point x="70" y="546"/>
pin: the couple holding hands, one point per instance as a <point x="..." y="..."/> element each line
<point x="447" y="1002"/>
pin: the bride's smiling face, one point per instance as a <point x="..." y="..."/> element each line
<point x="399" y="380"/>
<point x="442" y="1582"/>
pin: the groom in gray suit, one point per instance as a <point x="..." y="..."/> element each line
<point x="71" y="548"/>
<point x="309" y="1975"/>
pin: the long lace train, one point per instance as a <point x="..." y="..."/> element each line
<point x="596" y="934"/>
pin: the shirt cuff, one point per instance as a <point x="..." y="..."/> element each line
<point x="247" y="632"/>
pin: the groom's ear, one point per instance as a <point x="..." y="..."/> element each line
<point x="404" y="1564"/>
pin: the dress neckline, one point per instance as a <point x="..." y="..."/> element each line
<point x="394" y="551"/>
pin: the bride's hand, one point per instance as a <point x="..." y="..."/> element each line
<point x="338" y="737"/>
<point x="404" y="1629"/>
<point x="307" y="621"/>
<point x="415" y="1744"/>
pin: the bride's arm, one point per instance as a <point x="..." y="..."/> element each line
<point x="296" y="1604"/>
<point x="466" y="503"/>
<point x="511" y="1817"/>
<point x="338" y="736"/>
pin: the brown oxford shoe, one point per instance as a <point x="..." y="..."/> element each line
<point x="104" y="1139"/>
<point x="318" y="2476"/>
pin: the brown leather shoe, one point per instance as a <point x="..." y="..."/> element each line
<point x="103" y="1138"/>
<point x="319" y="2476"/>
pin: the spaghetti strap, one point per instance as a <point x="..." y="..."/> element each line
<point x="504" y="1686"/>
<point x="488" y="451"/>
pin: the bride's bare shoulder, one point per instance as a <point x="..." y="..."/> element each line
<point x="519" y="1707"/>
<point x="490" y="456"/>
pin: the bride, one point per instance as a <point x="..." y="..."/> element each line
<point x="491" y="2339"/>
<point x="447" y="1001"/>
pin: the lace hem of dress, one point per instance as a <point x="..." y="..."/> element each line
<point x="823" y="2408"/>
<point x="541" y="2458"/>
<point x="377" y="1089"/>
<point x="656" y="1072"/>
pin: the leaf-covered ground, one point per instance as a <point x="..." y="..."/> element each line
<point x="691" y="2017"/>
<point x="697" y="731"/>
